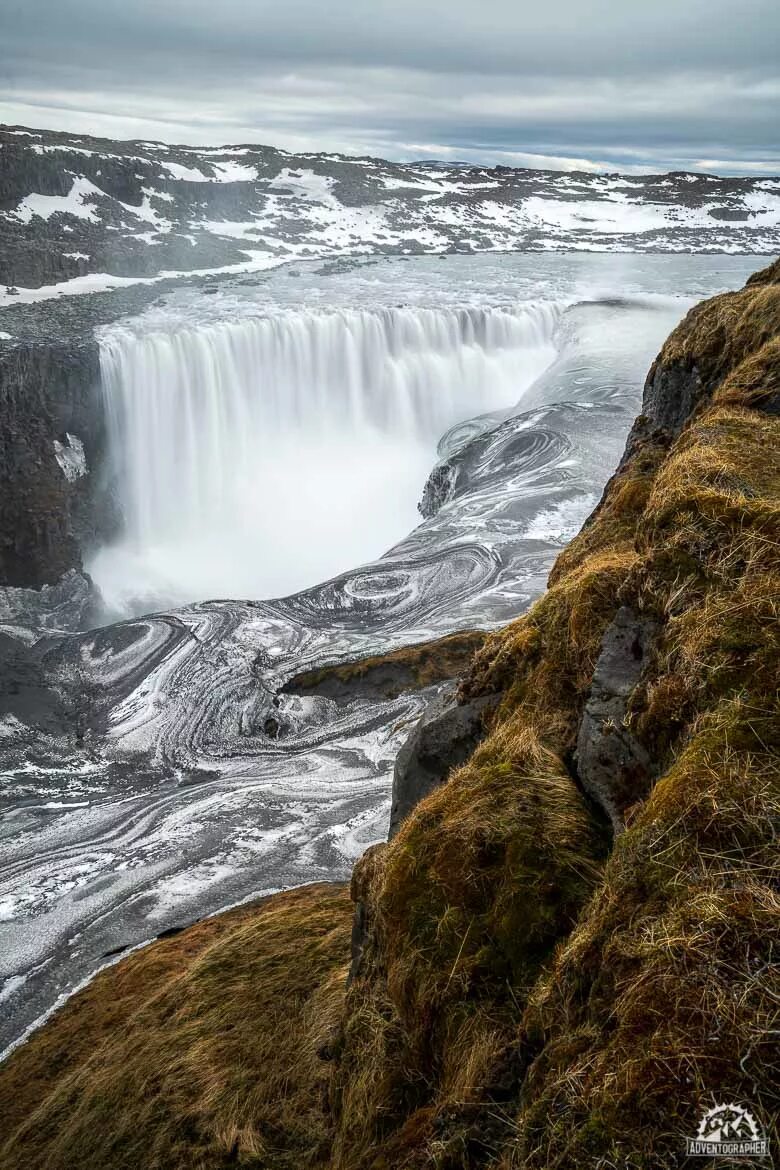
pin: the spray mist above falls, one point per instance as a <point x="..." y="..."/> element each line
<point x="256" y="457"/>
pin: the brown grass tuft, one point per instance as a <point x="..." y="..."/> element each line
<point x="666" y="998"/>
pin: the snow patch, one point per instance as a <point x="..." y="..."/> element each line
<point x="306" y="185"/>
<point x="71" y="458"/>
<point x="147" y="213"/>
<point x="233" y="172"/>
<point x="232" y="229"/>
<point x="764" y="209"/>
<point x="73" y="203"/>
<point x="226" y="171"/>
<point x="191" y="174"/>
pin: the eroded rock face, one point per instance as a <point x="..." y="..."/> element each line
<point x="50" y="439"/>
<point x="438" y="489"/>
<point x="613" y="766"/>
<point x="444" y="737"/>
<point x="72" y="604"/>
<point x="671" y="395"/>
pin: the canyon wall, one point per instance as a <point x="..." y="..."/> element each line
<point x="564" y="955"/>
<point x="51" y="437"/>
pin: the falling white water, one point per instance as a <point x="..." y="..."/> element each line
<point x="259" y="456"/>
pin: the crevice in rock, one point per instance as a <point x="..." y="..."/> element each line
<point x="612" y="764"/>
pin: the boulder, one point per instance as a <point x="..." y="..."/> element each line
<point x="444" y="737"/>
<point x="613" y="766"/>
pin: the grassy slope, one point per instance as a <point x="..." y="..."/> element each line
<point x="532" y="993"/>
<point x="522" y="1002"/>
<point x="199" y="1051"/>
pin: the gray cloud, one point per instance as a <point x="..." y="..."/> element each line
<point x="651" y="85"/>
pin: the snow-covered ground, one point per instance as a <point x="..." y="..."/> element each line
<point x="100" y="212"/>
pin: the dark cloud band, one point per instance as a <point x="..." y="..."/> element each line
<point x="659" y="84"/>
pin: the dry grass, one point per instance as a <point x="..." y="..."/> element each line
<point x="719" y="334"/>
<point x="666" y="998"/>
<point x="199" y="1052"/>
<point x="756" y="381"/>
<point x="410" y="668"/>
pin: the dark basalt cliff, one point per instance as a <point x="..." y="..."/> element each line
<point x="55" y="498"/>
<point x="565" y="955"/>
<point x="50" y="439"/>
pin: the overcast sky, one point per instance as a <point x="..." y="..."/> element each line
<point x="621" y="84"/>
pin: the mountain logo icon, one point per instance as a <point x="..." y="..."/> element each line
<point x="728" y="1131"/>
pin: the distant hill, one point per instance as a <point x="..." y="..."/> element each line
<point x="73" y="206"/>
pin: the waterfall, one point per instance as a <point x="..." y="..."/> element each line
<point x="254" y="457"/>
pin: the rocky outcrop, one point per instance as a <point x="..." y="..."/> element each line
<point x="410" y="668"/>
<point x="73" y="603"/>
<point x="51" y="441"/>
<point x="444" y="737"/>
<point x="525" y="991"/>
<point x="712" y="342"/>
<point x="613" y="766"/>
<point x="438" y="489"/>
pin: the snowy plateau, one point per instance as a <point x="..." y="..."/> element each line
<point x="79" y="214"/>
